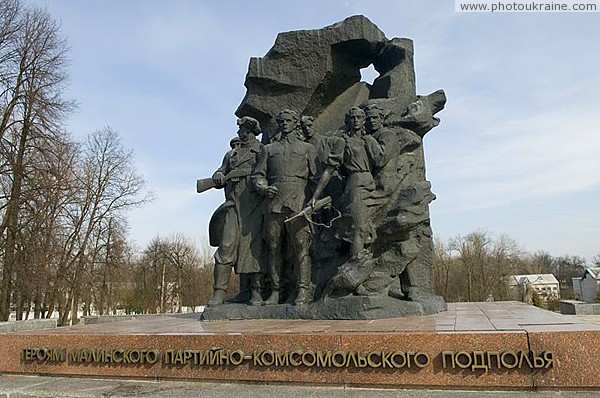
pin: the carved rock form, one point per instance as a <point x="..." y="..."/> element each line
<point x="313" y="70"/>
<point x="419" y="117"/>
<point x="317" y="73"/>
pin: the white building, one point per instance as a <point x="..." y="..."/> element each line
<point x="586" y="287"/>
<point x="545" y="285"/>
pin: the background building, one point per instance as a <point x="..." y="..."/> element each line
<point x="545" y="285"/>
<point x="585" y="287"/>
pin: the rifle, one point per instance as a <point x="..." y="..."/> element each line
<point x="204" y="184"/>
<point x="308" y="210"/>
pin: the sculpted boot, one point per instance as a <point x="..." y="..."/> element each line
<point x="275" y="265"/>
<point x="303" y="297"/>
<point x="244" y="295"/>
<point x="217" y="298"/>
<point x="255" y="297"/>
<point x="273" y="298"/>
<point x="222" y="275"/>
<point x="303" y="281"/>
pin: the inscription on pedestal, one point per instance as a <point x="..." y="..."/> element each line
<point x="473" y="360"/>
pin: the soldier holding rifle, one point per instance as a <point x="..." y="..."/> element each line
<point x="236" y="226"/>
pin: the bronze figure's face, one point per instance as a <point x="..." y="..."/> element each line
<point x="307" y="127"/>
<point x="374" y="121"/>
<point x="287" y="123"/>
<point x="355" y="119"/>
<point x="243" y="131"/>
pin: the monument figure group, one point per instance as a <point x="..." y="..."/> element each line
<point x="329" y="213"/>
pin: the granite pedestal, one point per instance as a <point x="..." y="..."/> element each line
<point x="504" y="345"/>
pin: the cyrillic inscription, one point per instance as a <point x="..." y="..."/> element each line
<point x="467" y="360"/>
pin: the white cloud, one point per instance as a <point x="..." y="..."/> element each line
<point x="523" y="159"/>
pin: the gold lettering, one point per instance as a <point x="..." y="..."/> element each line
<point x="338" y="359"/>
<point x="526" y="357"/>
<point x="448" y="354"/>
<point x="409" y="354"/>
<point x="223" y="357"/>
<point x="538" y="362"/>
<point x="282" y="358"/>
<point x="75" y="355"/>
<point x="152" y="356"/>
<point x="324" y="359"/>
<point x="237" y="357"/>
<point x="213" y="357"/>
<point x="549" y="357"/>
<point x="509" y="365"/>
<point x="296" y="358"/>
<point x="118" y="356"/>
<point x="268" y="358"/>
<point x="460" y="364"/>
<point x="204" y="358"/>
<point x="177" y="358"/>
<point x="257" y="361"/>
<point x="386" y="360"/>
<point x="420" y="363"/>
<point x="473" y="360"/>
<point x="370" y="360"/>
<point x="352" y="355"/>
<point x="490" y="354"/>
<point x="479" y="361"/>
<point x="97" y="355"/>
<point x="40" y="354"/>
<point x="313" y="360"/>
<point x="401" y="355"/>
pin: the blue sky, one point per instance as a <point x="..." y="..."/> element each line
<point x="517" y="151"/>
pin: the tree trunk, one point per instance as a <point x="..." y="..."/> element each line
<point x="11" y="224"/>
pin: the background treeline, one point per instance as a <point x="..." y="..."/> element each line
<point x="62" y="202"/>
<point x="476" y="267"/>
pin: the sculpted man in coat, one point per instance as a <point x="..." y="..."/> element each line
<point x="236" y="226"/>
<point x="283" y="174"/>
<point x="385" y="155"/>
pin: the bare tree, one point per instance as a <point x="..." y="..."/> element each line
<point x="32" y="76"/>
<point x="110" y="185"/>
<point x="476" y="267"/>
<point x="171" y="273"/>
<point x="184" y="259"/>
<point x="443" y="267"/>
<point x="38" y="226"/>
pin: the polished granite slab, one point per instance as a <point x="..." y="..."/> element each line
<point x="477" y="332"/>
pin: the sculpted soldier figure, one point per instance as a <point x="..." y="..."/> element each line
<point x="310" y="136"/>
<point x="357" y="166"/>
<point x="283" y="173"/>
<point x="236" y="226"/>
<point x="385" y="155"/>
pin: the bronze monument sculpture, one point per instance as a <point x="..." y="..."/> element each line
<point x="236" y="225"/>
<point x="328" y="218"/>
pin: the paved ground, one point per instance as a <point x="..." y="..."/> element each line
<point x="500" y="316"/>
<point x="589" y="318"/>
<point x="38" y="387"/>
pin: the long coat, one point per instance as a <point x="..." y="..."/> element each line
<point x="236" y="226"/>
